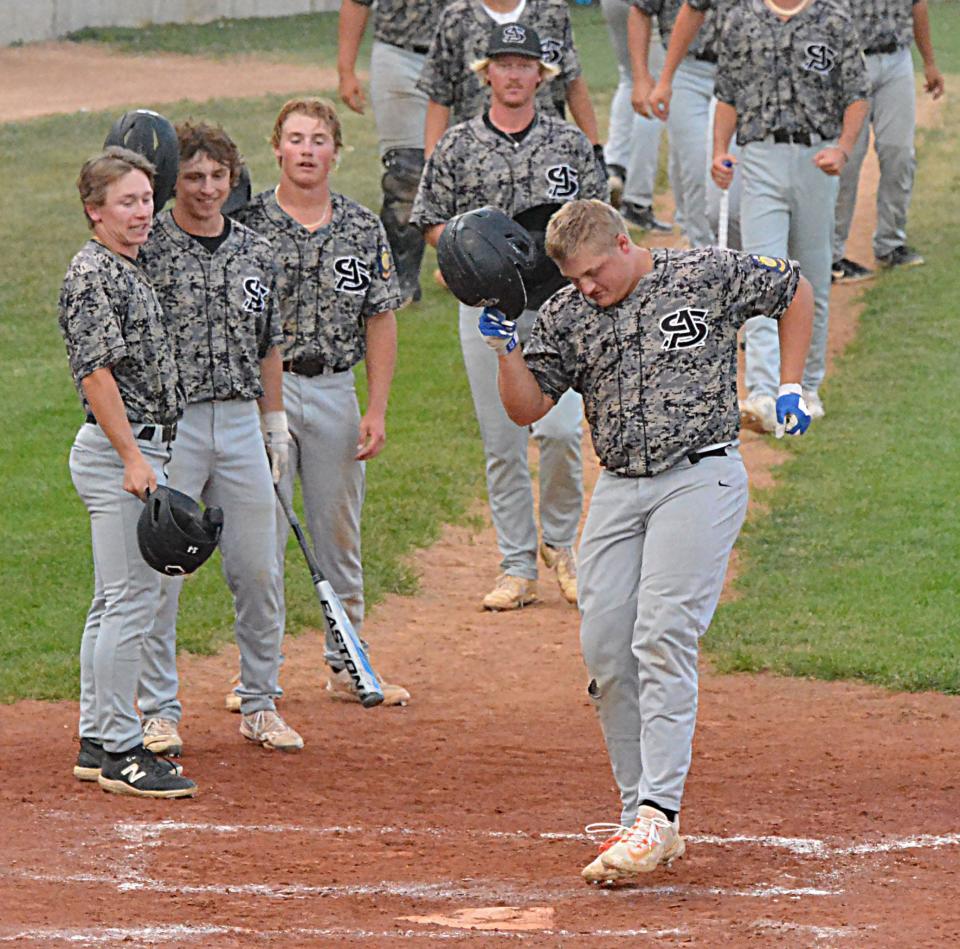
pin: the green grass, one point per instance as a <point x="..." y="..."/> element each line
<point x="854" y="572"/>
<point x="945" y="30"/>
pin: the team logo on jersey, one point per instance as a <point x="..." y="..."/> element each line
<point x="770" y="263"/>
<point x="820" y="58"/>
<point x="514" y="33"/>
<point x="684" y="329"/>
<point x="254" y="295"/>
<point x="564" y="182"/>
<point x="552" y="51"/>
<point x="384" y="263"/>
<point x="353" y="275"/>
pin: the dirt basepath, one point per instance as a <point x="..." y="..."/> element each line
<point x="820" y="814"/>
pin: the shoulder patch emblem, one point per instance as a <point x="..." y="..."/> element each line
<point x="384" y="263"/>
<point x="770" y="263"/>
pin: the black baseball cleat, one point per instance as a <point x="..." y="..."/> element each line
<point x="141" y="773"/>
<point x="902" y="256"/>
<point x="642" y="216"/>
<point x="845" y="270"/>
<point x="89" y="759"/>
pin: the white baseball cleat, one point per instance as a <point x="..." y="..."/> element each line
<point x="814" y="404"/>
<point x="759" y="412"/>
<point x="595" y="871"/>
<point x="651" y="841"/>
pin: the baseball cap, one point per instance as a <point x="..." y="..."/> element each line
<point x="516" y="39"/>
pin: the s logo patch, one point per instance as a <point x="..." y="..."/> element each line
<point x="552" y="51"/>
<point x="684" y="329"/>
<point x="563" y="181"/>
<point x="353" y="275"/>
<point x="819" y="58"/>
<point x="770" y="263"/>
<point x="514" y="33"/>
<point x="254" y="295"/>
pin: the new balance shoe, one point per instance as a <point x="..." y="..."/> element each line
<point x="510" y="593"/>
<point x="140" y="773"/>
<point x="846" y="270"/>
<point x="89" y="758"/>
<point x="595" y="871"/>
<point x="902" y="256"/>
<point x="651" y="841"/>
<point x="641" y="215"/>
<point x="759" y="412"/>
<point x="267" y="728"/>
<point x="564" y="561"/>
<point x="341" y="688"/>
<point x="814" y="404"/>
<point x="161" y="737"/>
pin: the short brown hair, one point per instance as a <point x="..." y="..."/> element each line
<point x="317" y="108"/>
<point x="101" y="171"/>
<point x="213" y="142"/>
<point x="583" y="222"/>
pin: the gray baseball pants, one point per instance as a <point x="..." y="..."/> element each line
<point x="324" y="419"/>
<point x="509" y="485"/>
<point x="125" y="590"/>
<point x="787" y="210"/>
<point x="893" y="116"/>
<point x="219" y="457"/>
<point x="633" y="142"/>
<point x="399" y="107"/>
<point x="652" y="560"/>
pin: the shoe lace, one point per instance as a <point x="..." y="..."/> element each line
<point x="605" y="834"/>
<point x="646" y="831"/>
<point x="268" y="723"/>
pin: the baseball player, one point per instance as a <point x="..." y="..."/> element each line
<point x="633" y="144"/>
<point x="649" y="339"/>
<point x="454" y="88"/>
<point x="515" y="157"/>
<point x="403" y="30"/>
<point x="215" y="280"/>
<point x="886" y="28"/>
<point x="126" y="377"/>
<point x="336" y="294"/>
<point x="791" y="80"/>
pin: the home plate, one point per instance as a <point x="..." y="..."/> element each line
<point x="491" y="917"/>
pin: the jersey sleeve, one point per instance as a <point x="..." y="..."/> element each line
<point x="701" y="6"/>
<point x="853" y="68"/>
<point x="91" y="326"/>
<point x="436" y="199"/>
<point x="384" y="292"/>
<point x="570" y="67"/>
<point x="649" y="7"/>
<point x="544" y="358"/>
<point x="757" y="285"/>
<point x="271" y="328"/>
<point x="593" y="184"/>
<point x="437" y="77"/>
<point x="725" y="86"/>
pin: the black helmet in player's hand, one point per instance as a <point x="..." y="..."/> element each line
<point x="175" y="534"/>
<point x="150" y="134"/>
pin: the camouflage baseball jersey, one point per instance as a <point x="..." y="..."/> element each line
<point x="473" y="166"/>
<point x="219" y="307"/>
<point x="461" y="39"/>
<point x="707" y="42"/>
<point x="798" y="76"/>
<point x="331" y="280"/>
<point x="110" y="318"/>
<point x="885" y="23"/>
<point x="409" y="24"/>
<point x="703" y="44"/>
<point x="658" y="371"/>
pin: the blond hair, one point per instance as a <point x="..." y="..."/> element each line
<point x="547" y="71"/>
<point x="316" y="108"/>
<point x="583" y="222"/>
<point x="101" y="171"/>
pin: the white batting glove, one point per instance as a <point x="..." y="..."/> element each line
<point x="276" y="436"/>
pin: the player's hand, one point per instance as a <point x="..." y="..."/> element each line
<point x="722" y="170"/>
<point x="351" y="93"/>
<point x="793" y="416"/>
<point x="276" y="437"/>
<point x="659" y="100"/>
<point x="933" y="82"/>
<point x="831" y="161"/>
<point x="139" y="477"/>
<point x="640" y="96"/>
<point x="373" y="436"/>
<point x="499" y="333"/>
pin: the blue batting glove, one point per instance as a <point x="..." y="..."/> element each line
<point x="792" y="414"/>
<point x="499" y="333"/>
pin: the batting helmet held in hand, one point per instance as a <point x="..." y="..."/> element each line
<point x="151" y="135"/>
<point x="240" y="193"/>
<point x="542" y="276"/>
<point x="175" y="535"/>
<point x="482" y="255"/>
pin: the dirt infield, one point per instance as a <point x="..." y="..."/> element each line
<point x="819" y="814"/>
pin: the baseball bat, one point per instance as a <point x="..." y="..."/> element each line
<point x="723" y="229"/>
<point x="341" y="629"/>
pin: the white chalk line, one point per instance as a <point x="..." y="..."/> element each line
<point x="818" y="932"/>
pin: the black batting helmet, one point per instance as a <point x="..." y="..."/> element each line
<point x="482" y="255"/>
<point x="175" y="535"/>
<point x="240" y="193"/>
<point x="541" y="276"/>
<point x="152" y="136"/>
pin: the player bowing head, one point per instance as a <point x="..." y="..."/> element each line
<point x="306" y="141"/>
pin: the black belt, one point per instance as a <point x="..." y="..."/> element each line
<point x="885" y="48"/>
<point x="309" y="367"/>
<point x="705" y="57"/>
<point x="167" y="432"/>
<point x="420" y="49"/>
<point x="695" y="456"/>
<point x="782" y="136"/>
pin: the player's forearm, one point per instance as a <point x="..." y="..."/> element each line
<point x="795" y="329"/>
<point x="638" y="42"/>
<point x="107" y="406"/>
<point x="271" y="378"/>
<point x="581" y="109"/>
<point x="853" y="118"/>
<point x="724" y="125"/>
<point x="921" y="33"/>
<point x="521" y="396"/>
<point x="685" y="29"/>
<point x="351" y="26"/>
<point x="381" y="360"/>
<point x="435" y="125"/>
